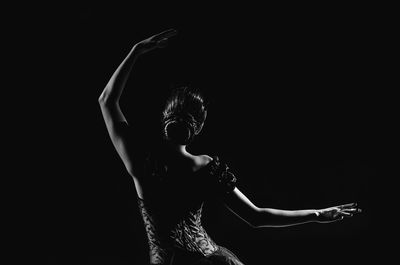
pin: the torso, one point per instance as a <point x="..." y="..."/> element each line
<point x="172" y="206"/>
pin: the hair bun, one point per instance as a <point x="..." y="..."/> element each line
<point x="184" y="115"/>
<point x="179" y="132"/>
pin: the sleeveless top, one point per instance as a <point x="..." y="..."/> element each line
<point x="172" y="209"/>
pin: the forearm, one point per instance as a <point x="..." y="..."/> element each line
<point x="114" y="87"/>
<point x="255" y="216"/>
<point x="268" y="217"/>
<point x="116" y="84"/>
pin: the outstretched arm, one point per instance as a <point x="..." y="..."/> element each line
<point x="240" y="205"/>
<point x="109" y="98"/>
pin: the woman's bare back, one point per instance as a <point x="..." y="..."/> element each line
<point x="180" y="167"/>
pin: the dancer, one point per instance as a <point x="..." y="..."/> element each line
<point x="172" y="184"/>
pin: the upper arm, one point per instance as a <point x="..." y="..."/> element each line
<point x="240" y="205"/>
<point x="118" y="130"/>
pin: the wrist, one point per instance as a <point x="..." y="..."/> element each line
<point x="137" y="50"/>
<point x="315" y="215"/>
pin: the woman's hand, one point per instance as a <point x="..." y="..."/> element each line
<point x="336" y="213"/>
<point x="156" y="41"/>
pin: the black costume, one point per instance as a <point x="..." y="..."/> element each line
<point x="172" y="206"/>
<point x="172" y="214"/>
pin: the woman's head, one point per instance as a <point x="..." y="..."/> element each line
<point x="184" y="115"/>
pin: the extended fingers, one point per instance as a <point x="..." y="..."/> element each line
<point x="349" y="212"/>
<point x="345" y="214"/>
<point x="162" y="43"/>
<point x="348" y="205"/>
<point x="165" y="34"/>
<point x="352" y="210"/>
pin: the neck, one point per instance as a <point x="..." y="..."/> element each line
<point x="179" y="149"/>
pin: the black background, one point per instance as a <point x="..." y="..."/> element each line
<point x="296" y="107"/>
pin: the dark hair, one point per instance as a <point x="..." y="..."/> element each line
<point x="184" y="115"/>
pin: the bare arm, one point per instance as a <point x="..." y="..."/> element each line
<point x="109" y="98"/>
<point x="255" y="216"/>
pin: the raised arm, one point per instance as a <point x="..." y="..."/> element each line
<point x="109" y="98"/>
<point x="255" y="216"/>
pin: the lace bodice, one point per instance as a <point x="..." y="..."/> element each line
<point x="172" y="210"/>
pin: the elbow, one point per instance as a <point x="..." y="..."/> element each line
<point x="129" y="169"/>
<point x="254" y="219"/>
<point x="103" y="98"/>
<point x="106" y="96"/>
<point x="100" y="100"/>
<point x="262" y="217"/>
<point x="106" y="100"/>
<point x="253" y="225"/>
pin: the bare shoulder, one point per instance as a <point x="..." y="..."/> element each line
<point x="205" y="159"/>
<point x="200" y="161"/>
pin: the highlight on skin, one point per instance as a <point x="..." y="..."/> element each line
<point x="183" y="118"/>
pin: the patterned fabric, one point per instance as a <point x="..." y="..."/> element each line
<point x="172" y="211"/>
<point x="157" y="251"/>
<point x="221" y="256"/>
<point x="190" y="235"/>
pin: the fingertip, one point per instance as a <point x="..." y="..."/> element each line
<point x="173" y="31"/>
